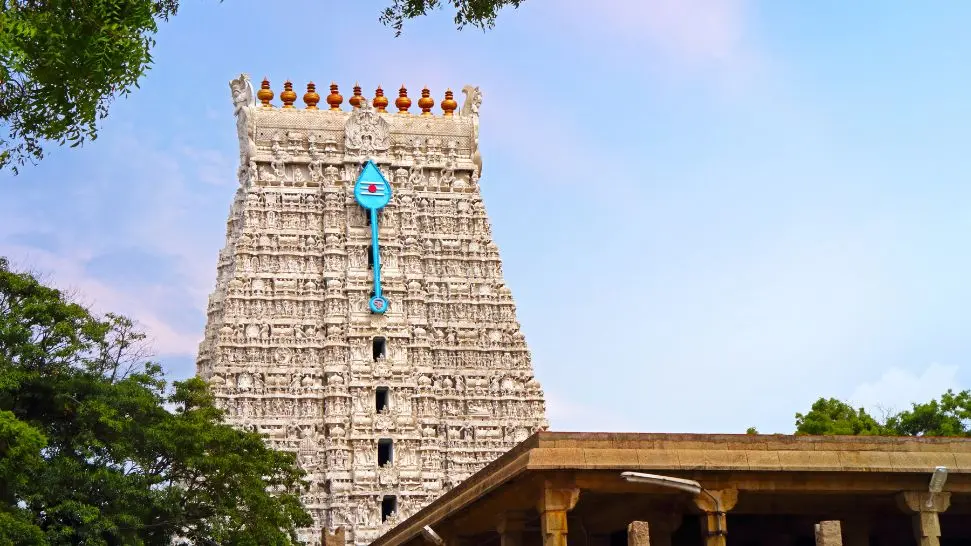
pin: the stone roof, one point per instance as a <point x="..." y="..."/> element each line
<point x="756" y="462"/>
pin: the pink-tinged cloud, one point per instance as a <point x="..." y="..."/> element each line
<point x="692" y="32"/>
<point x="67" y="273"/>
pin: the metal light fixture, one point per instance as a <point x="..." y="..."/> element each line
<point x="937" y="484"/>
<point x="937" y="479"/>
<point x="690" y="486"/>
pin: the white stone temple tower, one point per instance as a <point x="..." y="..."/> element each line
<point x="386" y="411"/>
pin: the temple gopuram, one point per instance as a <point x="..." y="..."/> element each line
<point x="360" y="318"/>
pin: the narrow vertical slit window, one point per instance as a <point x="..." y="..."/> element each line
<point x="385" y="452"/>
<point x="370" y="256"/>
<point x="379" y="348"/>
<point x="381" y="399"/>
<point x="389" y="505"/>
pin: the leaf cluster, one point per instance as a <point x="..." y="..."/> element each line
<point x="949" y="416"/>
<point x="477" y="13"/>
<point x="61" y="64"/>
<point x="96" y="448"/>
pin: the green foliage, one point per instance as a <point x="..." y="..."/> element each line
<point x="751" y="431"/>
<point x="61" y="64"/>
<point x="89" y="454"/>
<point x="833" y="416"/>
<point x="949" y="417"/>
<point x="478" y="13"/>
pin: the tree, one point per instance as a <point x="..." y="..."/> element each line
<point x="89" y="453"/>
<point x="63" y="62"/>
<point x="477" y="13"/>
<point x="949" y="417"/>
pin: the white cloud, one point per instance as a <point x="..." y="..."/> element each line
<point x="67" y="272"/>
<point x="162" y="200"/>
<point x="683" y="31"/>
<point x="896" y="389"/>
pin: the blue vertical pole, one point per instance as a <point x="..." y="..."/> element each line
<point x="376" y="253"/>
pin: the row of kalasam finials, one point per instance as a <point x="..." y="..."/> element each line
<point x="380" y="102"/>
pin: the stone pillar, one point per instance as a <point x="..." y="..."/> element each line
<point x="638" y="534"/>
<point x="554" y="503"/>
<point x="663" y="526"/>
<point x="829" y="533"/>
<point x="714" y="506"/>
<point x="510" y="527"/>
<point x="925" y="507"/>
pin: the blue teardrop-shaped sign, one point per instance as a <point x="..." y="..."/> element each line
<point x="372" y="191"/>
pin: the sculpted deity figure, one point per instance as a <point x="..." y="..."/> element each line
<point x="473" y="99"/>
<point x="366" y="131"/>
<point x="244" y="97"/>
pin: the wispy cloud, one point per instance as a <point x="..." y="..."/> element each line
<point x="66" y="270"/>
<point x="684" y="33"/>
<point x="144" y="232"/>
<point x="897" y="388"/>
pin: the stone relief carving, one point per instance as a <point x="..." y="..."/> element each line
<point x="288" y="347"/>
<point x="367" y="132"/>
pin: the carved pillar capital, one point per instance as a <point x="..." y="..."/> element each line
<point x="556" y="499"/>
<point x="925" y="507"/>
<point x="914" y="502"/>
<point x="715" y="504"/>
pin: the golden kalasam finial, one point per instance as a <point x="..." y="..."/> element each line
<point x="380" y="101"/>
<point x="356" y="100"/>
<point x="288" y="96"/>
<point x="426" y="102"/>
<point x="334" y="99"/>
<point x="311" y="97"/>
<point x="265" y="94"/>
<point x="402" y="102"/>
<point x="448" y="104"/>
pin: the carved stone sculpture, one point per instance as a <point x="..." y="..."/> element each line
<point x="396" y="406"/>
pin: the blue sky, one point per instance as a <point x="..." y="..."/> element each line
<point x="710" y="212"/>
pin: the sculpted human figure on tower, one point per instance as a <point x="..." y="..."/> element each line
<point x="386" y="408"/>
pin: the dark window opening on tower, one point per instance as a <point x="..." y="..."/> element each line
<point x="381" y="399"/>
<point x="385" y="451"/>
<point x="379" y="348"/>
<point x="370" y="256"/>
<point x="367" y="216"/>
<point x="389" y="505"/>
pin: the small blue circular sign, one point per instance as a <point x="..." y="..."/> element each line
<point x="378" y="304"/>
